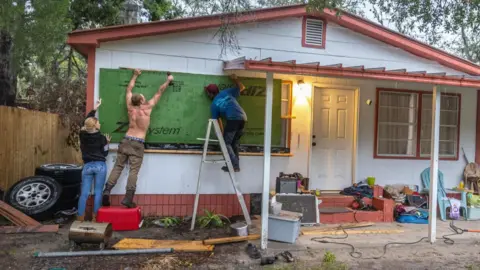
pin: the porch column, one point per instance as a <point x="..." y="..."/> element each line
<point x="432" y="217"/>
<point x="266" y="158"/>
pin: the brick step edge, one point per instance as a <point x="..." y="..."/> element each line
<point x="356" y="216"/>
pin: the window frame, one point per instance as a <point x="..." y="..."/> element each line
<point x="418" y="155"/>
<point x="288" y="117"/>
<point x="304" y="32"/>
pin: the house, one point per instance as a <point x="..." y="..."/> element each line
<point x="357" y="101"/>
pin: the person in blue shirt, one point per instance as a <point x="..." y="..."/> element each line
<point x="225" y="105"/>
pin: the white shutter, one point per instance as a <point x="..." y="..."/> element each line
<point x="314" y="32"/>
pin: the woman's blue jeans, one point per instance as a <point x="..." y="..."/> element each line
<point x="93" y="172"/>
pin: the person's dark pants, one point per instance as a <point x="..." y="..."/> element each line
<point x="232" y="134"/>
<point x="131" y="151"/>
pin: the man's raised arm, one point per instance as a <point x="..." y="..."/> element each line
<point x="239" y="84"/>
<point x="152" y="102"/>
<point x="130" y="86"/>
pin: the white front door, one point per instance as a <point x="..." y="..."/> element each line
<point x="332" y="139"/>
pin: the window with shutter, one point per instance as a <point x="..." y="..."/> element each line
<point x="313" y="33"/>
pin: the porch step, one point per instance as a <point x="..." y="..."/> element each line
<point x="329" y="201"/>
<point x="339" y="200"/>
<point x="352" y="217"/>
<point x="384" y="210"/>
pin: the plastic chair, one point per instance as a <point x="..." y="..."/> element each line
<point x="443" y="200"/>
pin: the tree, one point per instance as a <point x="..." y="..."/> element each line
<point x="162" y="10"/>
<point x="29" y="32"/>
<point x="449" y="24"/>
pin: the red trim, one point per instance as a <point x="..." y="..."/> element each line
<point x="304" y="32"/>
<point x="93" y="37"/>
<point x="406" y="43"/>
<point x="477" y="139"/>
<point x="90" y="78"/>
<point x="419" y="123"/>
<point x="339" y="71"/>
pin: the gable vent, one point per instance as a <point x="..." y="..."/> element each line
<point x="314" y="32"/>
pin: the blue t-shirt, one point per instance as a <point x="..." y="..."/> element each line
<point x="225" y="104"/>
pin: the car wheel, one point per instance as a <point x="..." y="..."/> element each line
<point x="35" y="196"/>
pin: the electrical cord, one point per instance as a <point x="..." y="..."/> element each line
<point x="357" y="255"/>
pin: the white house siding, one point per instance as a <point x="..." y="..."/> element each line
<point x="198" y="52"/>
<point x="397" y="171"/>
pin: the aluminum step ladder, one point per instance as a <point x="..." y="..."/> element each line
<point x="223" y="147"/>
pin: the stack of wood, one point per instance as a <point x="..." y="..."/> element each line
<point x="23" y="223"/>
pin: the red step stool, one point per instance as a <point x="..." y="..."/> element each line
<point x="121" y="218"/>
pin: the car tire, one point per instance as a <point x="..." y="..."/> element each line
<point x="65" y="174"/>
<point x="35" y="196"/>
<point x="69" y="198"/>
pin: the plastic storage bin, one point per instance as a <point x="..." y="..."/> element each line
<point x="473" y="213"/>
<point x="284" y="227"/>
<point x="121" y="218"/>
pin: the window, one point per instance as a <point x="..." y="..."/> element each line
<point x="314" y="33"/>
<point x="404" y="123"/>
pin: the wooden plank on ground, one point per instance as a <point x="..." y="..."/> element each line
<point x="177" y="245"/>
<point x="352" y="232"/>
<point x="17" y="217"/>
<point x="346" y="226"/>
<point x="225" y="240"/>
<point x="29" y="229"/>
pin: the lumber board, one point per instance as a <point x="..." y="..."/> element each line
<point x="29" y="229"/>
<point x="352" y="232"/>
<point x="225" y="240"/>
<point x="17" y="217"/>
<point x="14" y="219"/>
<point x="177" y="245"/>
<point x="210" y="153"/>
<point x="346" y="226"/>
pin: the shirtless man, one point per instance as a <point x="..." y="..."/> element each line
<point x="131" y="148"/>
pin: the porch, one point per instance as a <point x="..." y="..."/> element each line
<point x="335" y="124"/>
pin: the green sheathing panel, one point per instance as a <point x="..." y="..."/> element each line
<point x="181" y="115"/>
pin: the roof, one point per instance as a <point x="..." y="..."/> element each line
<point x="83" y="39"/>
<point x="338" y="70"/>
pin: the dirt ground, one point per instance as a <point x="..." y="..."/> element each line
<point x="16" y="251"/>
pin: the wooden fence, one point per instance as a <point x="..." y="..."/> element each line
<point x="29" y="139"/>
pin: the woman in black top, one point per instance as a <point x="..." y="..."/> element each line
<point x="94" y="148"/>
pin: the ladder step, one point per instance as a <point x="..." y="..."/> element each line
<point x="214" y="161"/>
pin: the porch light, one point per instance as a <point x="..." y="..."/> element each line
<point x="302" y="92"/>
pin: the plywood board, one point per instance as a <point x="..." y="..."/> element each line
<point x="352" y="232"/>
<point x="345" y="226"/>
<point x="183" y="111"/>
<point x="225" y="240"/>
<point x="177" y="245"/>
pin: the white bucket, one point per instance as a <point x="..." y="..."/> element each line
<point x="239" y="229"/>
